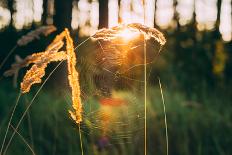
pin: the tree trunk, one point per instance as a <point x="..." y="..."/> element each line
<point x="45" y="12"/>
<point x="219" y="3"/>
<point x="63" y="14"/>
<point x="103" y="14"/>
<point x="119" y="17"/>
<point x="155" y="14"/>
<point x="216" y="32"/>
<point x="11" y="8"/>
<point x="176" y="16"/>
<point x="62" y="20"/>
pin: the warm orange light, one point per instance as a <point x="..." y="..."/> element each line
<point x="127" y="34"/>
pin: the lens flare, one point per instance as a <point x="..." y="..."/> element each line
<point x="127" y="34"/>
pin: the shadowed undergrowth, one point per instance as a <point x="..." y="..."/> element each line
<point x="194" y="127"/>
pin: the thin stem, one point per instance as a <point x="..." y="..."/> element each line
<point x="79" y="126"/>
<point x="165" y="116"/>
<point x="8" y="55"/>
<point x="7" y="129"/>
<point x="29" y="124"/>
<point x="145" y="97"/>
<point x="8" y="144"/>
<point x="24" y="140"/>
<point x="29" y="105"/>
<point x="82" y="43"/>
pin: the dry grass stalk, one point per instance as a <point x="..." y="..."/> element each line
<point x="113" y="33"/>
<point x="38" y="59"/>
<point x="14" y="70"/>
<point x="118" y="43"/>
<point x="149" y="32"/>
<point x="57" y="39"/>
<point x="24" y="40"/>
<point x="37" y="71"/>
<point x="73" y="79"/>
<point x="40" y="62"/>
<point x="43" y="30"/>
<point x="34" y="58"/>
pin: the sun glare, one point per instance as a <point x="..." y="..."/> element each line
<point x="127" y="34"/>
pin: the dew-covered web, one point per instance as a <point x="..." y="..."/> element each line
<point x="111" y="76"/>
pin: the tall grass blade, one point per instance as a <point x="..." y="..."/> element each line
<point x="24" y="140"/>
<point x="8" y="55"/>
<point x="165" y="116"/>
<point x="25" y="112"/>
<point x="7" y="129"/>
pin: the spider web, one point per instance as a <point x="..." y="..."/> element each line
<point x="112" y="92"/>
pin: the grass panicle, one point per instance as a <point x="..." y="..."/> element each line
<point x="114" y="32"/>
<point x="35" y="34"/>
<point x="29" y="37"/>
<point x="73" y="79"/>
<point x="42" y="59"/>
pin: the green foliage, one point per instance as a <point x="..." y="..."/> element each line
<point x="194" y="127"/>
<point x="193" y="57"/>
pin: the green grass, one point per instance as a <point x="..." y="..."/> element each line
<point x="195" y="127"/>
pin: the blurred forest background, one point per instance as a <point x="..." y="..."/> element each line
<point x="195" y="67"/>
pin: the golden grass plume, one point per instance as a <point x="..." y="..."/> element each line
<point x="42" y="59"/>
<point x="73" y="79"/>
<point x="113" y="33"/>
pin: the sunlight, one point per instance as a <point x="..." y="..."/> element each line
<point x="164" y="13"/>
<point x="185" y="9"/>
<point x="149" y="13"/>
<point x="27" y="12"/>
<point x="94" y="16"/>
<point x="132" y="11"/>
<point x="125" y="11"/>
<point x="85" y="16"/>
<point x="206" y="14"/>
<point x="75" y="16"/>
<point x="127" y="34"/>
<point x="24" y="14"/>
<point x="5" y="17"/>
<point x="113" y="12"/>
<point x="37" y="10"/>
<point x="226" y="20"/>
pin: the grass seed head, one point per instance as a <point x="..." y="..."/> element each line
<point x="35" y="34"/>
<point x="73" y="78"/>
<point x="42" y="59"/>
<point x="114" y="33"/>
